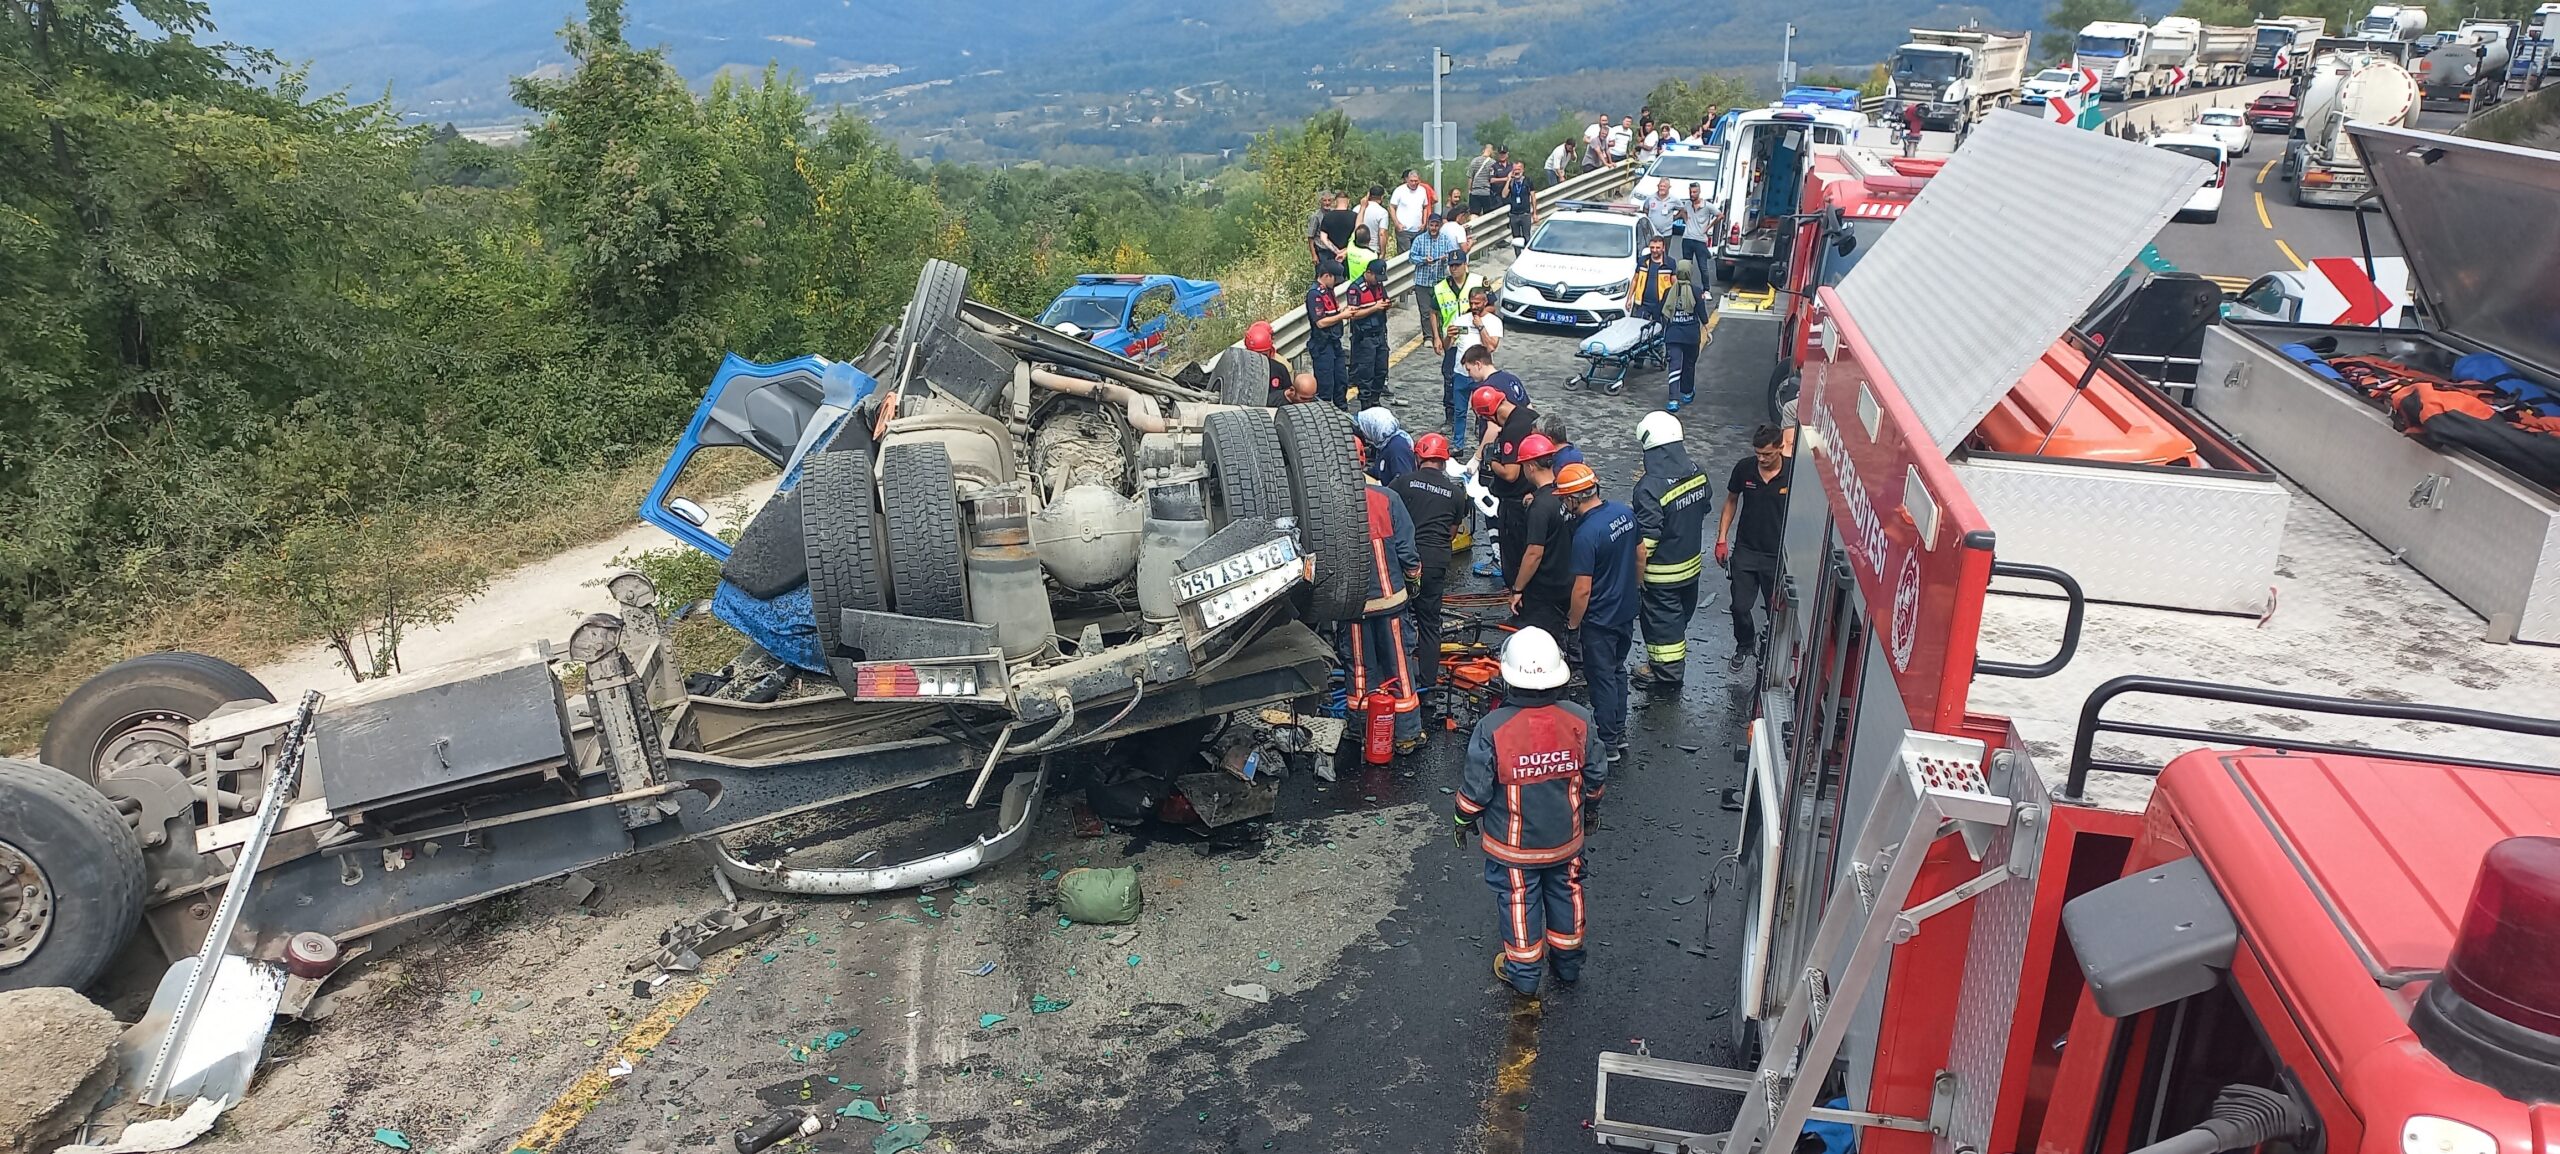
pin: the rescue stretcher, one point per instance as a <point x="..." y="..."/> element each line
<point x="1618" y="349"/>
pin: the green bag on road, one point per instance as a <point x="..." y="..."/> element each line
<point x="1101" y="897"/>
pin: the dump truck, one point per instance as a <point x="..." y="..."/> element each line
<point x="991" y="543"/>
<point x="2222" y="55"/>
<point x="1956" y="76"/>
<point x="2133" y="61"/>
<point x="2021" y="869"/>
<point x="2281" y="45"/>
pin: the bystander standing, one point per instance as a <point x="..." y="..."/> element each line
<point x="1480" y="180"/>
<point x="1412" y="204"/>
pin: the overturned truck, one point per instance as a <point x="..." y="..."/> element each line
<point x="989" y="544"/>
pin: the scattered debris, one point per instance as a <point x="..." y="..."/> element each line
<point x="1684" y="899"/>
<point x="1135" y="961"/>
<point x="648" y="987"/>
<point x="582" y="890"/>
<point x="981" y="970"/>
<point x="61" y="1051"/>
<point x="836" y="1039"/>
<point x="1108" y="896"/>
<point x="620" y="1070"/>
<point x="988" y="1021"/>
<point x="774" y="1130"/>
<point x="1254" y="992"/>
<point x="902" y="1136"/>
<point x="1044" y="1004"/>
<point x="1273" y="966"/>
<point x="1120" y="939"/>
<point x="861" y="1108"/>
<point x="160" y="1134"/>
<point x="682" y="947"/>
<point x="386" y="1136"/>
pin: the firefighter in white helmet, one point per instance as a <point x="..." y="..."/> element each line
<point x="1671" y="502"/>
<point x="1535" y="771"/>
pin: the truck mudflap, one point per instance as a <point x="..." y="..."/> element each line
<point x="1013" y="829"/>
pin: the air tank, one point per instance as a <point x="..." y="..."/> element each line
<point x="1088" y="536"/>
<point x="1177" y="522"/>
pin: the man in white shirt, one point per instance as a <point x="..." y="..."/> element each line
<point x="1454" y="229"/>
<point x="1595" y="143"/>
<point x="1373" y="216"/>
<point x="1412" y="203"/>
<point x="1622" y="136"/>
<point x="1659" y="209"/>
<point x="1556" y="162"/>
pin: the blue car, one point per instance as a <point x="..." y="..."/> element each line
<point x="1128" y="313"/>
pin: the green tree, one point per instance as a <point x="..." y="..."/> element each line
<point x="1683" y="102"/>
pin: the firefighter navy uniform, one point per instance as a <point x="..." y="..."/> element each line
<point x="1380" y="642"/>
<point x="1671" y="502"/>
<point x="1532" y="766"/>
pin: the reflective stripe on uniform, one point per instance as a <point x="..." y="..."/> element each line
<point x="1673" y="572"/>
<point x="1510" y="853"/>
<point x="1520" y="945"/>
<point x="1677" y="651"/>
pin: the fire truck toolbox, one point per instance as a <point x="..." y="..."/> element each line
<point x="2486" y="533"/>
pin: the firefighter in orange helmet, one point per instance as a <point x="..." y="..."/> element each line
<point x="1535" y="771"/>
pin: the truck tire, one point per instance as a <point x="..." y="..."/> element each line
<point x="1242" y="378"/>
<point x="141" y="707"/>
<point x="940" y="288"/>
<point x="1326" y="490"/>
<point x="922" y="503"/>
<point x="840" y="535"/>
<point x="768" y="560"/>
<point x="72" y="874"/>
<point x="1784" y="386"/>
<point x="1250" y="476"/>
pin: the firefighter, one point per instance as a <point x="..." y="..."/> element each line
<point x="1544" y="584"/>
<point x="1257" y="339"/>
<point x="1601" y="609"/>
<point x="1671" y="502"/>
<point x="1380" y="642"/>
<point x="1436" y="503"/>
<point x="1508" y="424"/>
<point x="1535" y="772"/>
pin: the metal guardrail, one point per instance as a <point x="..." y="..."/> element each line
<point x="1289" y="329"/>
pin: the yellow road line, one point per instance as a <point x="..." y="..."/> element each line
<point x="572" y="1106"/>
<point x="2263" y="222"/>
<point x="2263" y="170"/>
<point x="2298" y="262"/>
<point x="1506" y="1113"/>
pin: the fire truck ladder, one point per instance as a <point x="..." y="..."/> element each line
<point x="1936" y="786"/>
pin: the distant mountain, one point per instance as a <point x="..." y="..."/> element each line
<point x="1008" y="79"/>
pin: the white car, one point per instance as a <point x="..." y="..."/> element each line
<point x="2205" y="203"/>
<point x="2228" y="125"/>
<point x="1682" y="165"/>
<point x="2045" y="85"/>
<point x="1576" y="270"/>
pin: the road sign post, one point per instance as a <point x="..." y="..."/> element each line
<point x="1440" y="129"/>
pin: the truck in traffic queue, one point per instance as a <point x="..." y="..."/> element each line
<point x="2394" y="22"/>
<point x="2344" y="87"/>
<point x="2282" y="44"/>
<point x="2024" y="868"/>
<point x="1956" y="76"/>
<point x="2222" y="55"/>
<point x="2468" y="72"/>
<point x="2133" y="61"/>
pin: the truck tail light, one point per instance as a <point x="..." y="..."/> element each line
<point x="899" y="679"/>
<point x="2494" y="1014"/>
<point x="1734" y="237"/>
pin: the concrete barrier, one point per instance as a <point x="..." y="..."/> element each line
<point x="2177" y="112"/>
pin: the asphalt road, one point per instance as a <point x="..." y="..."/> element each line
<point x="2262" y="230"/>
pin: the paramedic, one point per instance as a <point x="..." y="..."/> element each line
<point x="1601" y="610"/>
<point x="1750" y="532"/>
<point x="1656" y="281"/>
<point x="1671" y="503"/>
<point x="1534" y="775"/>
<point x="1434" y="502"/>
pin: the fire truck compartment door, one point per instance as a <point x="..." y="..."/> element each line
<point x="2001" y="252"/>
<point x="2442" y="195"/>
<point x="2151" y="938"/>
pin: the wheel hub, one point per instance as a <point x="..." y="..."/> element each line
<point x="157" y="738"/>
<point x="26" y="906"/>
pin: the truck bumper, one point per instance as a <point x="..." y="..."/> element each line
<point x="2336" y="194"/>
<point x="1022" y="799"/>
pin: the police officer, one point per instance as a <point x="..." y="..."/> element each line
<point x="1671" y="502"/>
<point x="1366" y="304"/>
<point x="1535" y="772"/>
<point x="1543" y="586"/>
<point x="1435" y="502"/>
<point x="1379" y="642"/>
<point x="1325" y="321"/>
<point x="1601" y="610"/>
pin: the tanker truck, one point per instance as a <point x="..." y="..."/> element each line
<point x="1955" y="76"/>
<point x="2470" y="72"/>
<point x="2283" y="45"/>
<point x="2393" y="22"/>
<point x="2358" y="87"/>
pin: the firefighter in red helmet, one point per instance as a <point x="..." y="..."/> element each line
<point x="1378" y="645"/>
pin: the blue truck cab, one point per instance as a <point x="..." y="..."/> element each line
<point x="1130" y="313"/>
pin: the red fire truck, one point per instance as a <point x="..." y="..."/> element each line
<point x="2192" y="883"/>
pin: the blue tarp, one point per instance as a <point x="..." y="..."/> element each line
<point x="786" y="625"/>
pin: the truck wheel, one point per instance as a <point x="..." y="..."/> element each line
<point x="1242" y="448"/>
<point x="922" y="503"/>
<point x="767" y="559"/>
<point x="1783" y="387"/>
<point x="139" y="710"/>
<point x="1242" y="378"/>
<point x="71" y="879"/>
<point x="1333" y="511"/>
<point x="840" y="534"/>
<point x="939" y="290"/>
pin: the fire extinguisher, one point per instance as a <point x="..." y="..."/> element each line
<point x="1378" y="747"/>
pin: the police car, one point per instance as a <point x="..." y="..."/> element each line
<point x="1129" y="313"/>
<point x="1576" y="269"/>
